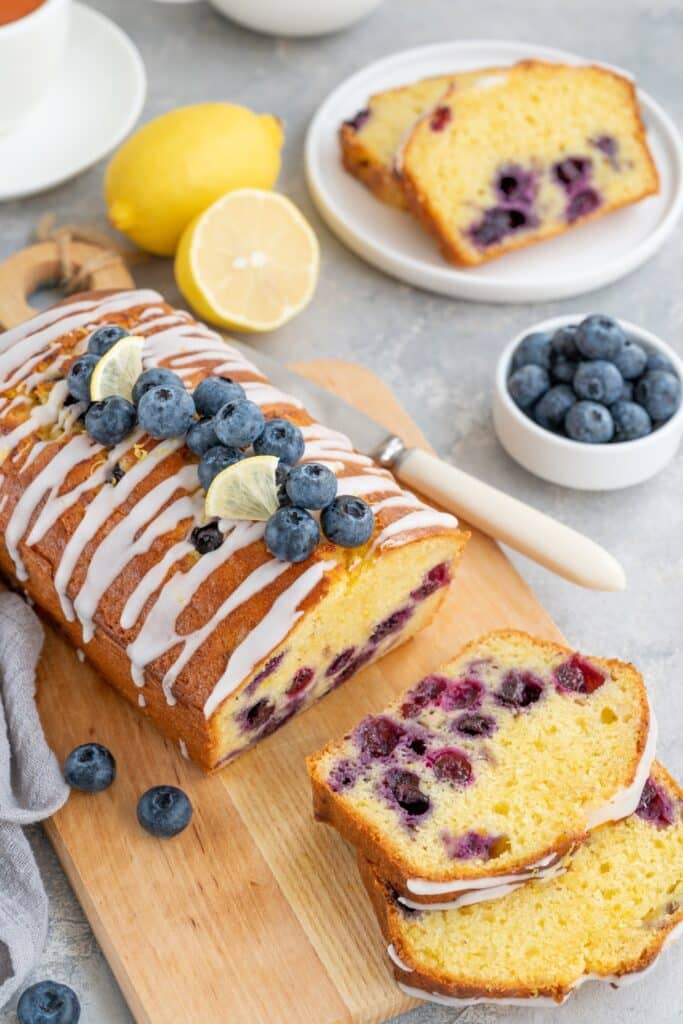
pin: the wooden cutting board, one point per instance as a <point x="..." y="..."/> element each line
<point x="254" y="915"/>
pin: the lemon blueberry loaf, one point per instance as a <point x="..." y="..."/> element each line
<point x="490" y="770"/>
<point x="195" y="619"/>
<point x="606" y="918"/>
<point x="537" y="149"/>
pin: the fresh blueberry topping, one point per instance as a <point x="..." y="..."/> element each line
<point x="590" y="423"/>
<point x="292" y="534"/>
<point x="311" y="485"/>
<point x="154" y="378"/>
<point x="104" y="339"/>
<point x="655" y="805"/>
<point x="164" y="811"/>
<point x="392" y="624"/>
<point x="90" y="768"/>
<point x="578" y="675"/>
<point x="378" y="736"/>
<point x="110" y="420"/>
<point x="213" y="393"/>
<point x="553" y="406"/>
<point x="600" y="337"/>
<point x="564" y="342"/>
<point x="117" y="473"/>
<point x="206" y="538"/>
<point x="340" y="662"/>
<point x="470" y="846"/>
<point x="660" y="394"/>
<point x="201" y="436"/>
<point x="440" y="119"/>
<point x="527" y="384"/>
<point x="452" y="765"/>
<point x="359" y="119"/>
<point x="463" y="693"/>
<point x="563" y="370"/>
<point x="405" y="789"/>
<point x="472" y="723"/>
<point x="166" y="412"/>
<point x="214" y="461"/>
<point x="535" y="349"/>
<point x="239" y="423"/>
<point x="426" y="693"/>
<point x="598" y="381"/>
<point x="348" y="521"/>
<point x="302" y="679"/>
<point x="497" y="223"/>
<point x="631" y="360"/>
<point x="519" y="689"/>
<point x="631" y="421"/>
<point x="282" y="439"/>
<point x="48" y="1002"/>
<point x="582" y="204"/>
<point x="572" y="170"/>
<point x="435" y="579"/>
<point x="79" y="377"/>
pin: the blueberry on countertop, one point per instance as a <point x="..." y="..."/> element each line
<point x="110" y="420"/>
<point x="48" y="1002"/>
<point x="164" y="811"/>
<point x="599" y="337"/>
<point x="598" y="381"/>
<point x="527" y="384"/>
<point x="283" y="439"/>
<point x="535" y="349"/>
<point x="348" y="521"/>
<point x="166" y="412"/>
<point x="214" y="392"/>
<point x="79" y="377"/>
<point x="239" y="423"/>
<point x="214" y="461"/>
<point x="631" y="360"/>
<point x="590" y="423"/>
<point x="105" y="338"/>
<point x="292" y="534"/>
<point x="631" y="421"/>
<point x="659" y="392"/>
<point x="311" y="485"/>
<point x="201" y="436"/>
<point x="90" y="768"/>
<point x="553" y="406"/>
<point x="153" y="378"/>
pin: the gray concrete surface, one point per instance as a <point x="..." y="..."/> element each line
<point x="438" y="355"/>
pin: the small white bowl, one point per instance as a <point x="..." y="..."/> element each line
<point x="588" y="467"/>
<point x="296" y="17"/>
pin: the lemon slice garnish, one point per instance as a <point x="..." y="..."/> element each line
<point x="118" y="369"/>
<point x="245" y="490"/>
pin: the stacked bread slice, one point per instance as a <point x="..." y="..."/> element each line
<point x="512" y="829"/>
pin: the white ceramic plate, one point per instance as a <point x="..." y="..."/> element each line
<point x="92" y="106"/>
<point x="579" y="261"/>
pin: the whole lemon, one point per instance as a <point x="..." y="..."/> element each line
<point x="174" y="167"/>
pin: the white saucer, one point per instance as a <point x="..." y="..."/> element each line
<point x="579" y="261"/>
<point x="90" y="108"/>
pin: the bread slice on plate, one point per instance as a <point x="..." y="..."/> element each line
<point x="607" y="918"/>
<point x="489" y="771"/>
<point x="524" y="155"/>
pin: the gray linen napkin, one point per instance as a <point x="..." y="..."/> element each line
<point x="31" y="788"/>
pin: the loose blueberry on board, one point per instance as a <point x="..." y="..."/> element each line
<point x="48" y="1002"/>
<point x="311" y="485"/>
<point x="79" y="377"/>
<point x="154" y="377"/>
<point x="600" y="337"/>
<point x="292" y="534"/>
<point x="201" y="436"/>
<point x="239" y="423"/>
<point x="207" y="538"/>
<point x="552" y="407"/>
<point x="659" y="392"/>
<point x="166" y="412"/>
<point x="590" y="423"/>
<point x="110" y="420"/>
<point x="536" y="349"/>
<point x="631" y="421"/>
<point x="631" y="360"/>
<point x="104" y="339"/>
<point x="214" y="392"/>
<point x="90" y="768"/>
<point x="598" y="381"/>
<point x="282" y="439"/>
<point x="564" y="342"/>
<point x="348" y="521"/>
<point x="164" y="811"/>
<point x="527" y="384"/>
<point x="214" y="461"/>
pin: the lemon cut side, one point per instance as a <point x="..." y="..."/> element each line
<point x="249" y="262"/>
<point x="117" y="370"/>
<point x="245" y="490"/>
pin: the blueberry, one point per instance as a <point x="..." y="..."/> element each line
<point x="658" y="361"/>
<point x="154" y="377"/>
<point x="201" y="436"/>
<point x="214" y="461"/>
<point x="405" y="789"/>
<point x="660" y="393"/>
<point x="79" y="377"/>
<point x="214" y="392"/>
<point x="292" y="534"/>
<point x="378" y="736"/>
<point x="563" y="369"/>
<point x="519" y="689"/>
<point x="110" y="420"/>
<point x="553" y="406"/>
<point x="164" y="811"/>
<point x="627" y="390"/>
<point x="282" y="439"/>
<point x="589" y="422"/>
<point x="473" y="723"/>
<point x="90" y="768"/>
<point x="103" y="339"/>
<point x="239" y="423"/>
<point x="582" y="204"/>
<point x="527" y="384"/>
<point x="311" y="485"/>
<point x="573" y="169"/>
<point x="348" y="521"/>
<point x="631" y="421"/>
<point x="535" y="349"/>
<point x="166" y="412"/>
<point x="207" y="538"/>
<point x="564" y="342"/>
<point x="599" y="337"/>
<point x="48" y="1002"/>
<point x="496" y="223"/>
<point x="631" y="360"/>
<point x="598" y="381"/>
<point x="452" y="766"/>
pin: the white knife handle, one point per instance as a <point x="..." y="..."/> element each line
<point x="534" y="534"/>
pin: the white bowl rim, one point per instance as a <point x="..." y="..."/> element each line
<point x="594" y="451"/>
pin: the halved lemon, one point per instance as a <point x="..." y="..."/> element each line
<point x="249" y="262"/>
<point x="117" y="370"/>
<point x="245" y="490"/>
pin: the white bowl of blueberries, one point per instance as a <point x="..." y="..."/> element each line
<point x="589" y="402"/>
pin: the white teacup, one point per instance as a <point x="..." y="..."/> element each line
<point x="31" y="52"/>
